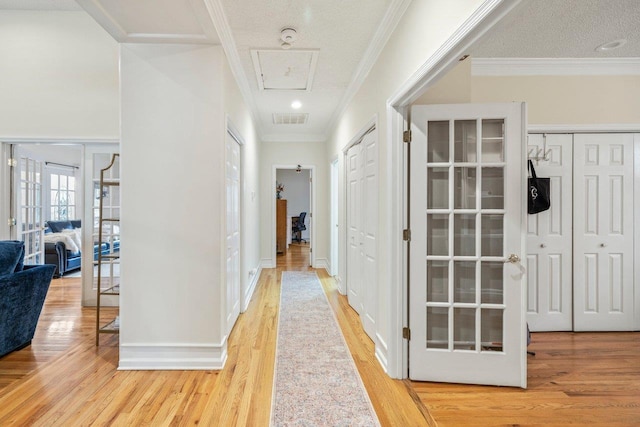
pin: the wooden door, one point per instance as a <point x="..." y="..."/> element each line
<point x="467" y="295"/>
<point x="603" y="232"/>
<point x="550" y="239"/>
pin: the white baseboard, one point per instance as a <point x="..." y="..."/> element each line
<point x="381" y="352"/>
<point x="322" y="263"/>
<point x="340" y="285"/>
<point x="252" y="287"/>
<point x="267" y="263"/>
<point x="142" y="357"/>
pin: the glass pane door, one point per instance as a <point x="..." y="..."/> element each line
<point x="465" y="229"/>
<point x="29" y="174"/>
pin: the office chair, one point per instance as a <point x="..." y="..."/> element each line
<point x="298" y="226"/>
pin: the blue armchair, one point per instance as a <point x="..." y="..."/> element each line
<point x="22" y="293"/>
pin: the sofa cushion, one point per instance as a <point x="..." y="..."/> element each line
<point x="58" y="226"/>
<point x="11" y="253"/>
<point x="76" y="223"/>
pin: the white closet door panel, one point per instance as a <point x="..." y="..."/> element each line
<point x="354" y="209"/>
<point x="549" y="239"/>
<point x="369" y="232"/>
<point x="604" y="230"/>
<point x="232" y="173"/>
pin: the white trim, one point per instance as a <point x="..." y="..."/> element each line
<point x="389" y="22"/>
<point x="381" y="351"/>
<point x="219" y="19"/>
<point x="555" y="66"/>
<point x="435" y="67"/>
<point x="253" y="282"/>
<point x="323" y="263"/>
<point x="267" y="263"/>
<point x="636" y="226"/>
<point x="172" y="356"/>
<point x="60" y="141"/>
<point x="255" y="58"/>
<point x="312" y="210"/>
<point x="585" y="128"/>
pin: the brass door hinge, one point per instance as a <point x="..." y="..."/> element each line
<point x="12" y="163"/>
<point x="406" y="136"/>
<point x="406" y="235"/>
<point x="406" y="333"/>
<point x="12" y="222"/>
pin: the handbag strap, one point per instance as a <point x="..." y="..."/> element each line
<point x="532" y="169"/>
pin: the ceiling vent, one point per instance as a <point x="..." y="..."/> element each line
<point x="284" y="69"/>
<point x="290" y="118"/>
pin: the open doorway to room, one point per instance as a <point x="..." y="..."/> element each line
<point x="294" y="214"/>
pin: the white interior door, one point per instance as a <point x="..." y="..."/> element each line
<point x="550" y="239"/>
<point x="354" y="227"/>
<point x="28" y="178"/>
<point x="603" y="232"/>
<point x="368" y="244"/>
<point x="467" y="295"/>
<point x="334" y="218"/>
<point x="232" y="172"/>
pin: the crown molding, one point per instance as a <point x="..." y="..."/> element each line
<point x="392" y="17"/>
<point x="221" y="24"/>
<point x="585" y="128"/>
<point x="555" y="66"/>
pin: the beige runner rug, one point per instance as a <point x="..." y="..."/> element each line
<point x="316" y="381"/>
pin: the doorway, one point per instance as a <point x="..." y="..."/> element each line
<point x="293" y="211"/>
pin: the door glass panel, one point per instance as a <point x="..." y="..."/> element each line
<point x="493" y="141"/>
<point x="492" y="188"/>
<point x="465" y="188"/>
<point x="437" y="327"/>
<point x="464" y="281"/>
<point x="464" y="240"/>
<point x="437" y="188"/>
<point x="492" y="283"/>
<point x="464" y="329"/>
<point x="437" y="234"/>
<point x="465" y="141"/>
<point x="438" y="142"/>
<point x="437" y="281"/>
<point x="491" y="243"/>
<point x="491" y="329"/>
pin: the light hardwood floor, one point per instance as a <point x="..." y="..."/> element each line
<point x="63" y="379"/>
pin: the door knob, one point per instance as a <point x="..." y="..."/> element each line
<point x="602" y="245"/>
<point x="513" y="259"/>
<point x="542" y="245"/>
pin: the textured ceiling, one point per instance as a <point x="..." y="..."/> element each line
<point x="565" y="29"/>
<point x="39" y="5"/>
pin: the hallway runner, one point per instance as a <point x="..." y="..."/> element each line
<point x="316" y="382"/>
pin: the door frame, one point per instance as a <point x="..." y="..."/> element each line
<point x="397" y="109"/>
<point x="334" y="206"/>
<point x="312" y="210"/>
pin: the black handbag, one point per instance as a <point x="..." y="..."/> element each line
<point x="539" y="192"/>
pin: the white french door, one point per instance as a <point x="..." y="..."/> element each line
<point x="603" y="232"/>
<point x="467" y="219"/>
<point x="549" y="239"/>
<point x="232" y="173"/>
<point x="362" y="225"/>
<point x="28" y="204"/>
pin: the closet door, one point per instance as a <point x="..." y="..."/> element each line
<point x="603" y="232"/>
<point x="354" y="227"/>
<point x="549" y="239"/>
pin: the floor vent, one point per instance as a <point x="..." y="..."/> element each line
<point x="290" y="118"/>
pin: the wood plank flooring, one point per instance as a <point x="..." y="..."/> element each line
<point x="64" y="380"/>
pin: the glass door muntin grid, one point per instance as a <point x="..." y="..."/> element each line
<point x="471" y="261"/>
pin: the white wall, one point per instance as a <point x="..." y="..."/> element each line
<point x="297" y="193"/>
<point x="291" y="154"/>
<point x="172" y="168"/>
<point x="58" y="76"/>
<point x="423" y="29"/>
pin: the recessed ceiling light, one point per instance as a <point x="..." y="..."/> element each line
<point x="296" y="104"/>
<point x="615" y="44"/>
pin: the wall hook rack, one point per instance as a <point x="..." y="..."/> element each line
<point x="540" y="154"/>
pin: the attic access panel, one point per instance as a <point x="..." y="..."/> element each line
<point x="284" y="69"/>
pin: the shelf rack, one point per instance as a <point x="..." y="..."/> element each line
<point x="113" y="288"/>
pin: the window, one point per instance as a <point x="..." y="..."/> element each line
<point x="63" y="196"/>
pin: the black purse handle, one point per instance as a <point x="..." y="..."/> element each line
<point x="533" y="171"/>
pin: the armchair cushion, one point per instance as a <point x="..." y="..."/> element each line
<point x="11" y="256"/>
<point x="58" y="226"/>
